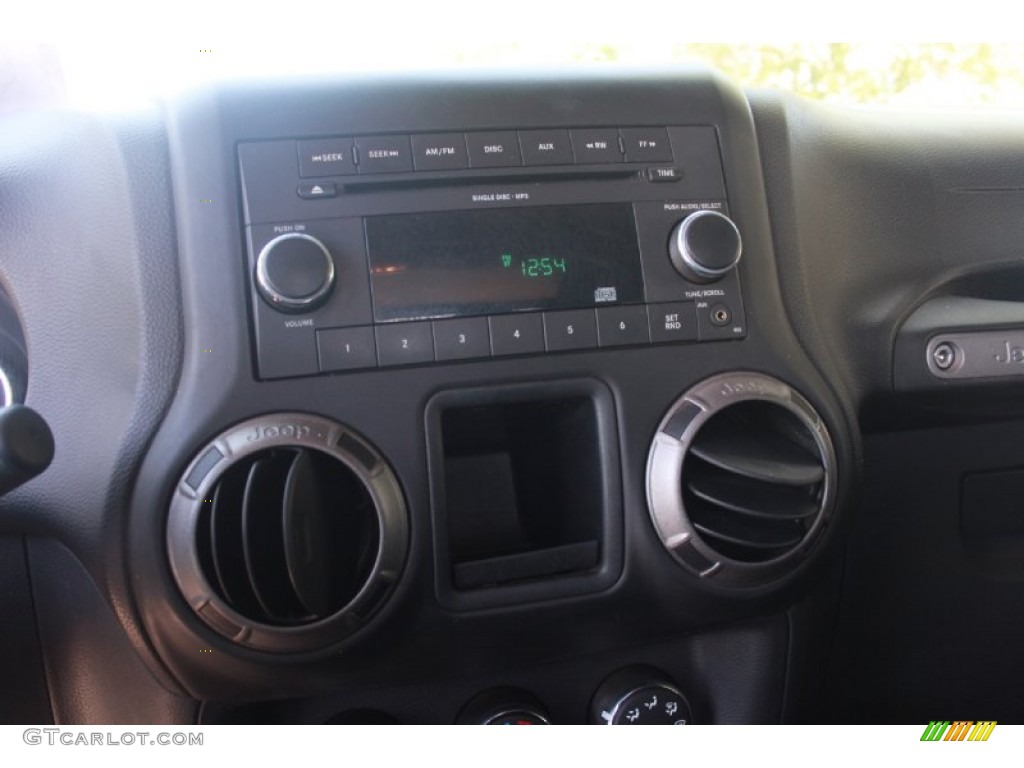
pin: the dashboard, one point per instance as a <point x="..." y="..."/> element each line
<point x="554" y="398"/>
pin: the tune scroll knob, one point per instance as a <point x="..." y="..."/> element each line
<point x="704" y="246"/>
<point x="295" y="272"/>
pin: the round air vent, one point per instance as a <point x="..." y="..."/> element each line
<point x="741" y="479"/>
<point x="287" y="532"/>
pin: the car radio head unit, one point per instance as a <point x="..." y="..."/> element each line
<point x="358" y="263"/>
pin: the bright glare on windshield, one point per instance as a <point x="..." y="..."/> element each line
<point x="908" y="75"/>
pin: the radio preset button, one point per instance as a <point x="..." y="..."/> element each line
<point x="405" y="343"/>
<point x="384" y="154"/>
<point x="343" y="349"/>
<point x="517" y="334"/>
<point x="572" y="329"/>
<point x="493" y="149"/>
<point x="326" y="157"/>
<point x="596" y="145"/>
<point x="461" y="338"/>
<point x="439" y="152"/>
<point x="675" y="321"/>
<point x="622" y="325"/>
<point x="546" y="147"/>
<point x="646" y="145"/>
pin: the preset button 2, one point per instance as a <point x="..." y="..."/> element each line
<point x="405" y="343"/>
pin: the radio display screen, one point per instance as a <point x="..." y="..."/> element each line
<point x="450" y="264"/>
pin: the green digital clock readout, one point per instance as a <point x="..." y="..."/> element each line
<point x="535" y="267"/>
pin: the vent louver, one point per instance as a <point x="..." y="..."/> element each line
<point x="741" y="479"/>
<point x="288" y="536"/>
<point x="753" y="481"/>
<point x="287" y="533"/>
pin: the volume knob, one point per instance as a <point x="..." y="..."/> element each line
<point x="705" y="246"/>
<point x="295" y="272"/>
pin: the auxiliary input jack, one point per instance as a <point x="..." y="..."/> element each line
<point x="720" y="315"/>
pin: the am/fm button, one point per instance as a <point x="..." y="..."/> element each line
<point x="439" y="152"/>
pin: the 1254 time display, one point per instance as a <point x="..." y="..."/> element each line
<point x="536" y="267"/>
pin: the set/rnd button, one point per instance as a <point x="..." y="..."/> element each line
<point x="675" y="321"/>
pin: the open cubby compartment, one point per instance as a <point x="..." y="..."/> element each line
<point x="526" y="492"/>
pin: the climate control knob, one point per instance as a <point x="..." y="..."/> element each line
<point x="295" y="272"/>
<point x="504" y="706"/>
<point x="639" y="695"/>
<point x="705" y="246"/>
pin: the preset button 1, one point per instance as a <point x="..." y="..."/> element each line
<point x="344" y="349"/>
